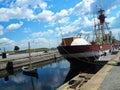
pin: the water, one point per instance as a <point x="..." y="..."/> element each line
<point x="50" y="77"/>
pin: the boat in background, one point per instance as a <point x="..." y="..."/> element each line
<point x="77" y="49"/>
<point x="30" y="71"/>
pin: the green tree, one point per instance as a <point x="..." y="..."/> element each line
<point x="16" y="48"/>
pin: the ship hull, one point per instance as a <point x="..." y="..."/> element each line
<point x="84" y="53"/>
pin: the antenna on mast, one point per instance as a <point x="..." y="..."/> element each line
<point x="64" y="43"/>
<point x="94" y="27"/>
<point x="60" y="29"/>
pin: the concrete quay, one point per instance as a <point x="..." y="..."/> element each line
<point x="107" y="78"/>
<point x="20" y="60"/>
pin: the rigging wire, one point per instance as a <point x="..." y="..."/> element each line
<point x="101" y="3"/>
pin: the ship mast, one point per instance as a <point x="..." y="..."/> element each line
<point x="101" y="18"/>
<point x="101" y="36"/>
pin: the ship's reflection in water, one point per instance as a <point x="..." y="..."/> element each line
<point x="83" y="67"/>
<point x="49" y="77"/>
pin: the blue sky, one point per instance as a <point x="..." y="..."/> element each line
<point x="41" y="21"/>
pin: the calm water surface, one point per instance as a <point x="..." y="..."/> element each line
<point x="50" y="77"/>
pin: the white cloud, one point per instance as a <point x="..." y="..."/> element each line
<point x="82" y="8"/>
<point x="74" y="19"/>
<point x="33" y="3"/>
<point x="67" y="29"/>
<point x="7" y="43"/>
<point x="61" y="17"/>
<point x="116" y="33"/>
<point x="15" y="13"/>
<point x="83" y="14"/>
<point x="27" y="30"/>
<point x="1" y="30"/>
<point x="24" y="9"/>
<point x="43" y="5"/>
<point x="37" y="42"/>
<point x="87" y="22"/>
<point x="115" y="24"/>
<point x="105" y="5"/>
<point x="111" y="19"/>
<point x="84" y="32"/>
<point x="62" y="13"/>
<point x="63" y="20"/>
<point x="114" y="20"/>
<point x="45" y="15"/>
<point x="14" y="26"/>
<point x="20" y="3"/>
<point x="78" y="18"/>
<point x="41" y="34"/>
<point x="73" y="26"/>
<point x="23" y="44"/>
<point x="68" y="26"/>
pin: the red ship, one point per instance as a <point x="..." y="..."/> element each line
<point x="78" y="49"/>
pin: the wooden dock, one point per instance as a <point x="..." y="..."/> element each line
<point x="36" y="58"/>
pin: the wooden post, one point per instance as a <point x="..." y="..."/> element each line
<point x="30" y="61"/>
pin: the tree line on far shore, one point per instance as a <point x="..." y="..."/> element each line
<point x="18" y="51"/>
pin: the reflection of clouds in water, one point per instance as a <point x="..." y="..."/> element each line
<point x="38" y="85"/>
<point x="18" y="82"/>
<point x="8" y="88"/>
<point x="65" y="72"/>
<point x="50" y="77"/>
<point x="55" y="80"/>
<point x="17" y="88"/>
<point x="26" y="82"/>
<point x="16" y="79"/>
<point x="53" y="65"/>
<point x="19" y="79"/>
<point x="61" y="64"/>
<point x="59" y="78"/>
<point x="64" y="64"/>
<point x="53" y="74"/>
